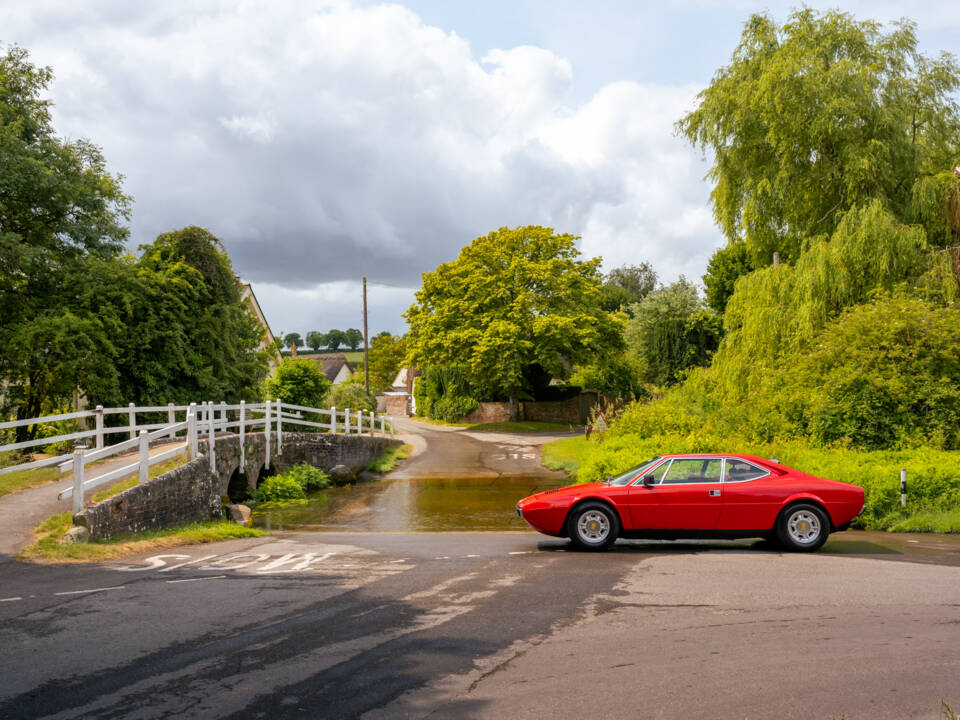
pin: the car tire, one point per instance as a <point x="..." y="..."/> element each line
<point x="803" y="527"/>
<point x="592" y="526"/>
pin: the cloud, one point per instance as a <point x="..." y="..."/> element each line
<point x="325" y="141"/>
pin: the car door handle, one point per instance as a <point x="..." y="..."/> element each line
<point x="714" y="493"/>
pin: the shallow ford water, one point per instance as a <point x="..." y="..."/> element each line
<point x="417" y="504"/>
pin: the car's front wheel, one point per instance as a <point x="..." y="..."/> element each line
<point x="803" y="527"/>
<point x="593" y="526"/>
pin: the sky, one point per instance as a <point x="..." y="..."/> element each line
<point x="327" y="140"/>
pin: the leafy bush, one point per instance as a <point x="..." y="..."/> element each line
<point x="298" y="381"/>
<point x="451" y="409"/>
<point x="308" y="477"/>
<point x="350" y="395"/>
<point x="420" y="397"/>
<point x="278" y="487"/>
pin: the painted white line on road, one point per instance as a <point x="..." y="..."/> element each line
<point x="520" y="552"/>
<point x="10" y="599"/>
<point x="92" y="590"/>
<point x="400" y="560"/>
<point x="214" y="577"/>
<point x="471" y="556"/>
<point x="189" y="562"/>
<point x="442" y="557"/>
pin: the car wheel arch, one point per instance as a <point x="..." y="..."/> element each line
<point x="581" y="501"/>
<point x="805" y="500"/>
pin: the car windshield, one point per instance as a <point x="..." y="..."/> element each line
<point x="634" y="472"/>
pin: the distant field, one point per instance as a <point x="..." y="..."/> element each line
<point x="354" y="357"/>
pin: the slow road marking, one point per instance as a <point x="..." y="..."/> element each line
<point x="91" y="590"/>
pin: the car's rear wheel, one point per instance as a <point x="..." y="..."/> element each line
<point x="592" y="526"/>
<point x="803" y="527"/>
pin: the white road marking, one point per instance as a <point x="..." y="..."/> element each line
<point x="189" y="562"/>
<point x="92" y="590"/>
<point x="471" y="556"/>
<point x="520" y="552"/>
<point x="442" y="557"/>
<point x="400" y="560"/>
<point x="157" y="561"/>
<point x="10" y="599"/>
<point x="219" y="564"/>
<point x="212" y="577"/>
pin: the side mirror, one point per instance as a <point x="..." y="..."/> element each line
<point x="648" y="480"/>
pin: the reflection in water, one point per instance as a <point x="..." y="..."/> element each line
<point x="418" y="504"/>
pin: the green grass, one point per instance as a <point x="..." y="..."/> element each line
<point x="564" y="454"/>
<point x="389" y="459"/>
<point x="47" y="546"/>
<point x="933" y="476"/>
<point x="431" y="421"/>
<point x="26" y="479"/>
<point x="133" y="481"/>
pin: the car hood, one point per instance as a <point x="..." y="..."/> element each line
<point x="562" y="492"/>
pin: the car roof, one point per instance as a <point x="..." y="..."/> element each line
<point x="740" y="456"/>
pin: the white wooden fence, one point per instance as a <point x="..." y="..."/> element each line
<point x="206" y="419"/>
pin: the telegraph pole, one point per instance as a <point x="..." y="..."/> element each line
<point x="366" y="342"/>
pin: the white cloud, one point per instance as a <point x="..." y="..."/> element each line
<point x="324" y="141"/>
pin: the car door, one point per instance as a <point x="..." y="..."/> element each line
<point x="687" y="495"/>
<point x="752" y="496"/>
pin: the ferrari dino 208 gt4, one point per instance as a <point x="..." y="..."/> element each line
<point x="698" y="496"/>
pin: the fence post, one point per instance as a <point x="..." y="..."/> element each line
<point x="383" y="429"/>
<point x="393" y="429"/>
<point x="211" y="440"/>
<point x="346" y="421"/>
<point x="144" y="457"/>
<point x="373" y="423"/>
<point x="133" y="421"/>
<point x="266" y="431"/>
<point x="903" y="487"/>
<point x="333" y="419"/>
<point x="279" y="426"/>
<point x="243" y="429"/>
<point x="223" y="415"/>
<point x="99" y="426"/>
<point x="201" y="418"/>
<point x="171" y="419"/>
<point x="77" y="479"/>
<point x="192" y="431"/>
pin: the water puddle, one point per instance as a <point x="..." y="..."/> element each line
<point x="415" y="504"/>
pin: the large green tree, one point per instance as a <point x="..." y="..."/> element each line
<point x="514" y="300"/>
<point x="59" y="210"/>
<point x="626" y="285"/>
<point x="387" y="355"/>
<point x="818" y="116"/>
<point x="352" y="338"/>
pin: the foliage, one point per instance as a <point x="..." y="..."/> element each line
<point x="59" y="208"/>
<point x="25" y="479"/>
<point x="621" y="376"/>
<point x="725" y="266"/>
<point x="307" y="477"/>
<point x="451" y="408"/>
<point x="935" y="203"/>
<point x="298" y="381"/>
<point x="292" y="340"/>
<point x="512" y="299"/>
<point x="780" y="309"/>
<point x="352" y="338"/>
<point x="816" y="117"/>
<point x="316" y="340"/>
<point x="421" y="397"/>
<point x="278" y="487"/>
<point x="389" y="459"/>
<point x="335" y="338"/>
<point x="671" y="331"/>
<point x="387" y="355"/>
<point x="626" y="285"/>
<point x="884" y="374"/>
<point x="565" y="454"/>
<point x="350" y="395"/>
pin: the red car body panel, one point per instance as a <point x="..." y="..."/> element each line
<point x="732" y="508"/>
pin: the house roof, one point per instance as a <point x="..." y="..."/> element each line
<point x="330" y="363"/>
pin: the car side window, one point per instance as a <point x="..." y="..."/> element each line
<point x="692" y="470"/>
<point x="741" y="470"/>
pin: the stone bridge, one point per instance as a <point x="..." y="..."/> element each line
<point x="192" y="493"/>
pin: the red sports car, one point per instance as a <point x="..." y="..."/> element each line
<point x="698" y="496"/>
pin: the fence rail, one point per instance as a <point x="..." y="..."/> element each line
<point x="206" y="419"/>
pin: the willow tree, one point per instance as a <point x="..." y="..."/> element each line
<point x="515" y="303"/>
<point x="815" y="117"/>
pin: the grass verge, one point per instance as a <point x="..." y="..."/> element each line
<point x="389" y="459"/>
<point x="26" y="479"/>
<point x="48" y="548"/>
<point x="564" y="454"/>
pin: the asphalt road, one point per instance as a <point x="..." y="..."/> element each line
<point x="487" y="625"/>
